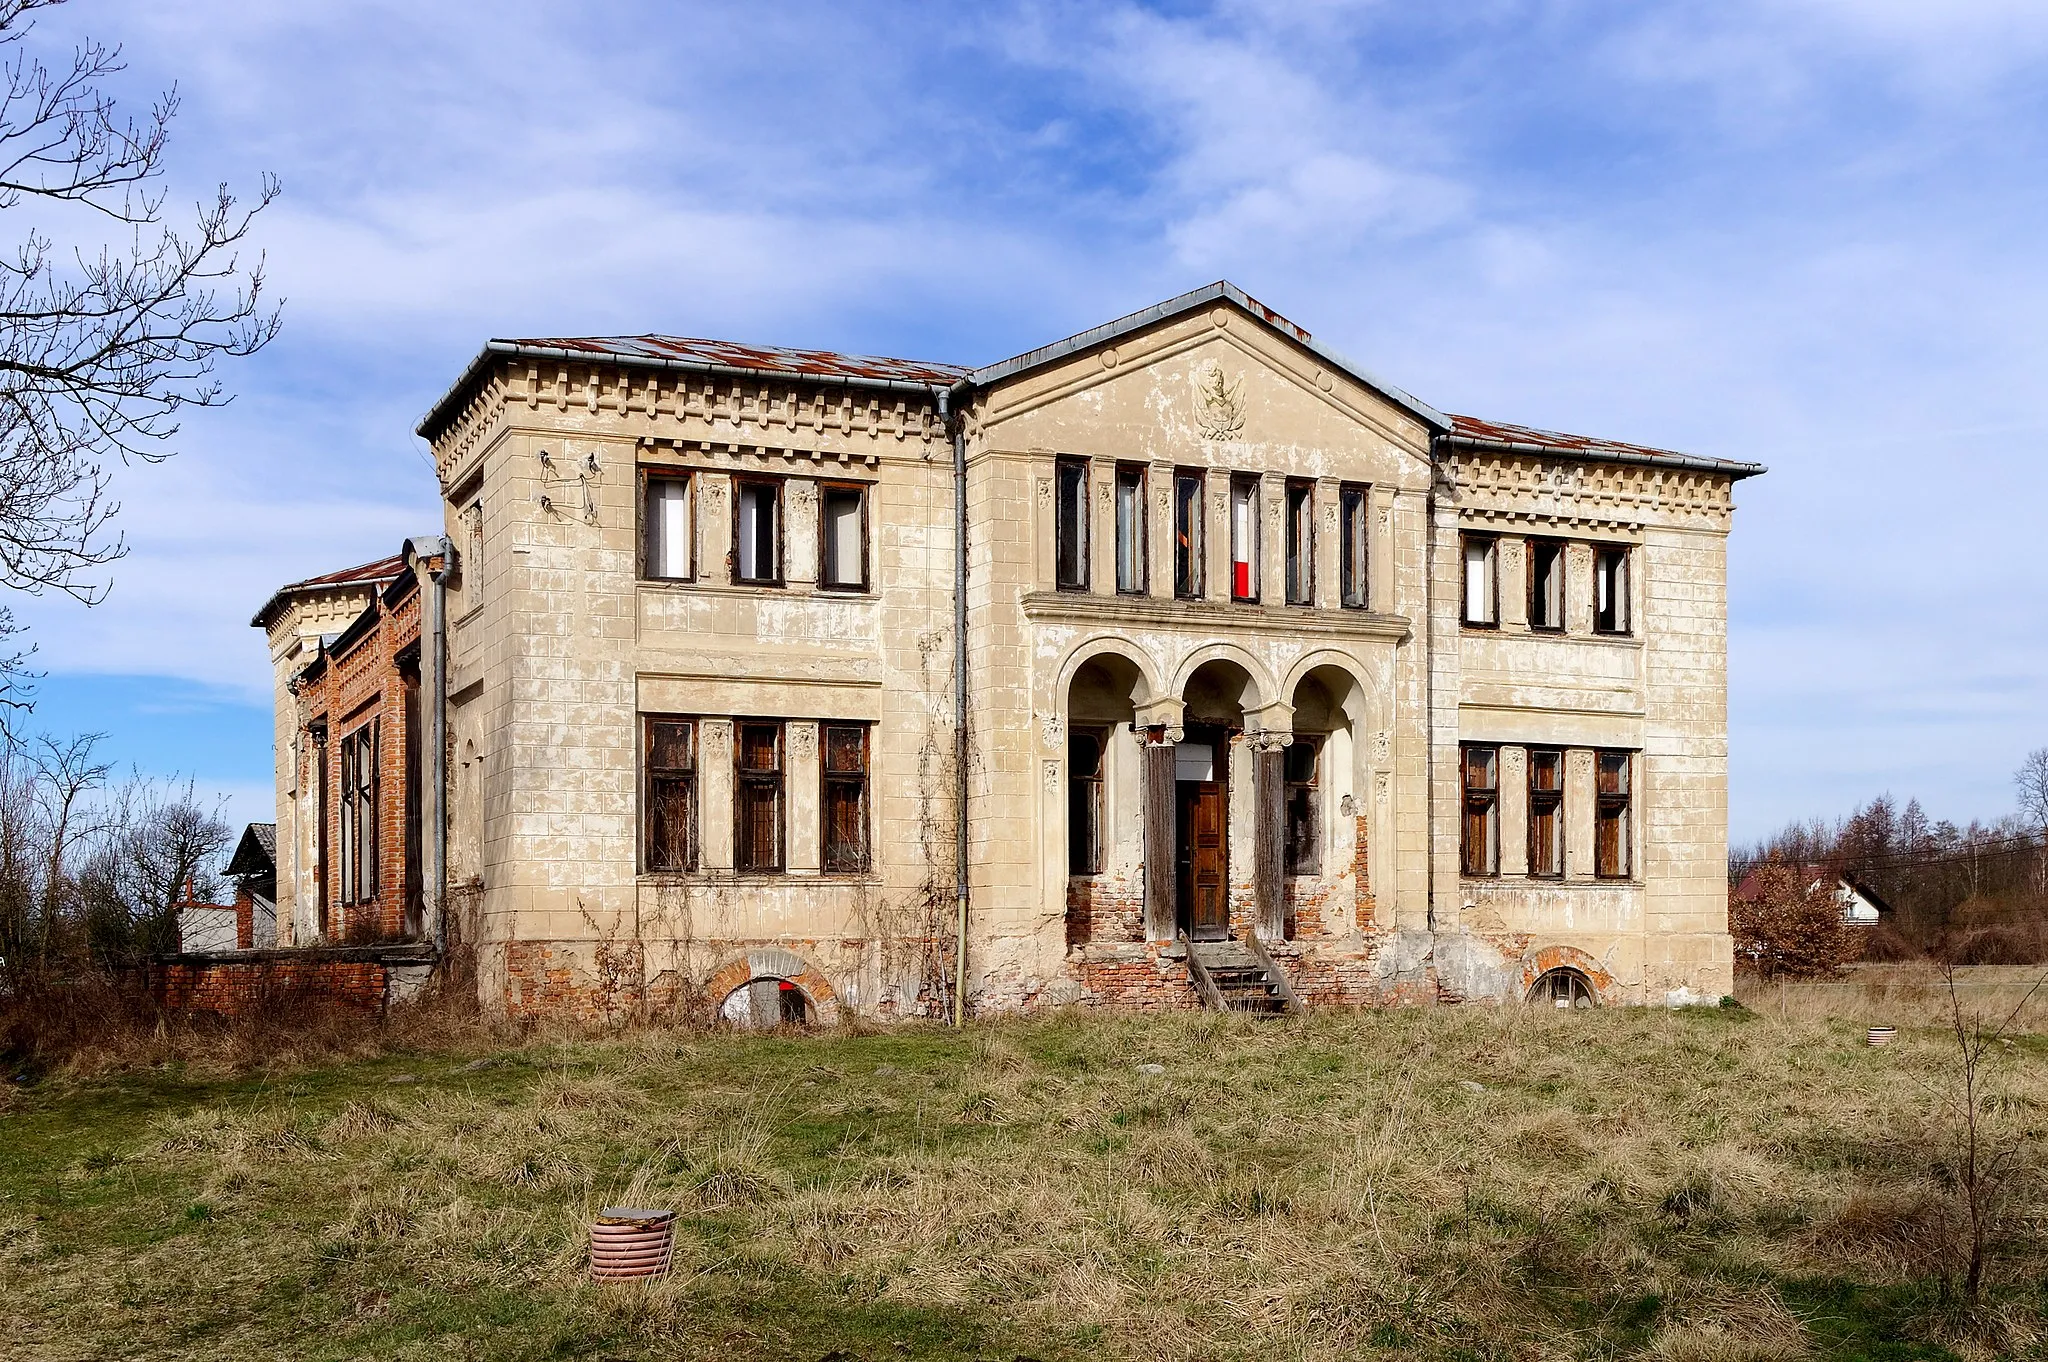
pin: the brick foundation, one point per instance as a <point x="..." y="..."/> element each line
<point x="240" y="983"/>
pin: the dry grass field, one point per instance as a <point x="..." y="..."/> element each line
<point x="1455" y="1183"/>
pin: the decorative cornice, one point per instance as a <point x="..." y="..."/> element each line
<point x="1085" y="608"/>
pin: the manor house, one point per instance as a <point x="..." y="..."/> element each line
<point x="1179" y="661"/>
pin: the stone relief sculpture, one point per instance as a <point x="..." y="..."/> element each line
<point x="1219" y="403"/>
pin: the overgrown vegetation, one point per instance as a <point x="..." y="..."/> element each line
<point x="1446" y="1183"/>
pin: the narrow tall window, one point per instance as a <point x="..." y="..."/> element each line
<point x="1610" y="815"/>
<point x="845" y="798"/>
<point x="1130" y="530"/>
<point x="323" y="809"/>
<point x="1244" y="539"/>
<point x="1610" y="591"/>
<point x="1546" y="814"/>
<point x="1354" y="557"/>
<point x="757" y="533"/>
<point x="843" y="511"/>
<point x="1482" y="582"/>
<point x="472" y="566"/>
<point x="1070" y="524"/>
<point x="1546" y="584"/>
<point x="757" y="789"/>
<point x="665" y="538"/>
<point x="670" y="824"/>
<point x="1187" y="535"/>
<point x="1084" y="802"/>
<point x="1481" y="840"/>
<point x="1304" y="810"/>
<point x="359" y="815"/>
<point x="1301" y="543"/>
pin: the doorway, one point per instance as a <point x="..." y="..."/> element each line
<point x="1202" y="834"/>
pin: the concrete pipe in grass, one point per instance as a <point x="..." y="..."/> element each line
<point x="1883" y="1035"/>
<point x="627" y="1243"/>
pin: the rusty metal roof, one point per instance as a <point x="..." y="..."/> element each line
<point x="1470" y="432"/>
<point x="767" y="359"/>
<point x="366" y="574"/>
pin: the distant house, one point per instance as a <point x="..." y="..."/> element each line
<point x="253" y="868"/>
<point x="1861" y="906"/>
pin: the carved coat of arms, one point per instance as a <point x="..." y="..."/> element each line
<point x="1219" y="403"/>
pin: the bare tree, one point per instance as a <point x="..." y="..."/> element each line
<point x="102" y="342"/>
<point x="157" y="843"/>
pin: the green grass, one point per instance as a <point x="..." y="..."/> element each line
<point x="1700" y="1185"/>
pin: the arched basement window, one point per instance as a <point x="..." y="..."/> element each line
<point x="1563" y="988"/>
<point x="764" y="1004"/>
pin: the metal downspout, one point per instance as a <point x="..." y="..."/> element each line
<point x="958" y="434"/>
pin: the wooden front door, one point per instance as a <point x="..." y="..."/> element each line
<point x="1202" y="840"/>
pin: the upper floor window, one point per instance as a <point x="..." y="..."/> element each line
<point x="845" y="803"/>
<point x="1480" y="842"/>
<point x="1301" y="543"/>
<point x="359" y="815"/>
<point x="757" y="532"/>
<point x="1610" y="591"/>
<point x="1084" y="801"/>
<point x="758" y="796"/>
<point x="1070" y="524"/>
<point x="843" y="515"/>
<point x="1546" y="584"/>
<point x="669" y="825"/>
<point x="1244" y="539"/>
<point x="1546" y="813"/>
<point x="1482" y="580"/>
<point x="472" y="566"/>
<point x="1612" y="772"/>
<point x="1187" y="535"/>
<point x="1304" y="852"/>
<point x="1353" y="557"/>
<point x="1130" y="529"/>
<point x="665" y="530"/>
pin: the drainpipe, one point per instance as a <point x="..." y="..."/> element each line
<point x="958" y="433"/>
<point x="434" y="795"/>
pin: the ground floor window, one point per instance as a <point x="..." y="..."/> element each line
<point x="845" y="801"/>
<point x="1610" y="815"/>
<point x="669" y="829"/>
<point x="1304" y="807"/>
<point x="1480" y="849"/>
<point x="359" y="815"/>
<point x="764" y="1004"/>
<point x="1084" y="801"/>
<point x="758" y="797"/>
<point x="1565" y="989"/>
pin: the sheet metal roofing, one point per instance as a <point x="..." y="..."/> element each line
<point x="767" y="359"/>
<point x="365" y="574"/>
<point x="1471" y="431"/>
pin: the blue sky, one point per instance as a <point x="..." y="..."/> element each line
<point x="1805" y="232"/>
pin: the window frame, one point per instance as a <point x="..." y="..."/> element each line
<point x="1354" y="546"/>
<point x="1613" y="809"/>
<point x="361" y="779"/>
<point x="1190" y="534"/>
<point x="774" y="780"/>
<point x="1085" y="795"/>
<point x="1070" y="520"/>
<point x="1466" y="542"/>
<point x="1617" y="588"/>
<point x="1557" y="548"/>
<point x="1298" y="506"/>
<point x="864" y="491"/>
<point x="689" y="775"/>
<point x="1301" y="853"/>
<point x="648" y="477"/>
<point x="861" y="781"/>
<point x="1547" y="803"/>
<point x="1479" y="802"/>
<point x="740" y="485"/>
<point x="1139" y="539"/>
<point x="1244" y="492"/>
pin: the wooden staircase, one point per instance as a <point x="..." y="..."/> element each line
<point x="1238" y="976"/>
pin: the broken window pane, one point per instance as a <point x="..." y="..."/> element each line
<point x="1187" y="535"/>
<point x="1070" y="519"/>
<point x="845" y="810"/>
<point x="1546" y="584"/>
<point x="1610" y="591"/>
<point x="1546" y="814"/>
<point x="845" y="521"/>
<point x="1352" y="547"/>
<point x="1301" y="541"/>
<point x="671" y="824"/>
<point x="1304" y="847"/>
<point x="757" y="533"/>
<point x="1481" y="834"/>
<point x="757" y="822"/>
<point x="1084" y="802"/>
<point x="1611" y="815"/>
<point x="1130" y="529"/>
<point x="665" y="527"/>
<point x="1481" y="587"/>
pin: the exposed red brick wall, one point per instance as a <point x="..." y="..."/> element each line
<point x="236" y="988"/>
<point x="1105" y="908"/>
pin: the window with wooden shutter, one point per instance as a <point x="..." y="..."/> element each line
<point x="1611" y="792"/>
<point x="1546" y="814"/>
<point x="758" y="793"/>
<point x="670" y="824"/>
<point x="845" y="798"/>
<point x="1481" y="839"/>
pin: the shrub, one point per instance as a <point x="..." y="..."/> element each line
<point x="1790" y="927"/>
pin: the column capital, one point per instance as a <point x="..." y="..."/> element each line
<point x="1166" y="713"/>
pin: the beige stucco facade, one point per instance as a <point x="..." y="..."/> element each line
<point x="560" y="648"/>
